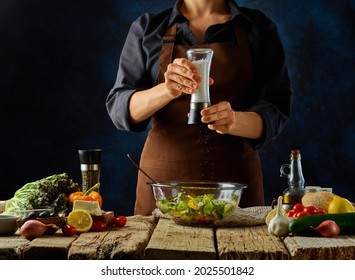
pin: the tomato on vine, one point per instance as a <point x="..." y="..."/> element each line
<point x="311" y="210"/>
<point x="298" y="207"/>
<point x="301" y="214"/>
<point x="68" y="230"/>
<point x="98" y="226"/>
<point x="120" y="221"/>
<point x="291" y="213"/>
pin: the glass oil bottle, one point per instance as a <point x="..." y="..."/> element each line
<point x="295" y="191"/>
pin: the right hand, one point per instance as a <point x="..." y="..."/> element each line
<point x="181" y="77"/>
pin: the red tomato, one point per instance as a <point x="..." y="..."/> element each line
<point x="302" y="214"/>
<point x="311" y="209"/>
<point x="68" y="230"/>
<point x="98" y="226"/>
<point x="298" y="207"/>
<point x="120" y="221"/>
<point x="320" y="211"/>
<point x="291" y="213"/>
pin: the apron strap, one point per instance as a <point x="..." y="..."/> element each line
<point x="168" y="47"/>
<point x="166" y="51"/>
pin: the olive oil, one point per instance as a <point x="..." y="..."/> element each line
<point x="292" y="198"/>
<point x="295" y="191"/>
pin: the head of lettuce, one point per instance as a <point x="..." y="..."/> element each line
<point x="50" y="191"/>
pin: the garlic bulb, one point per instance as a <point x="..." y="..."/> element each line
<point x="279" y="224"/>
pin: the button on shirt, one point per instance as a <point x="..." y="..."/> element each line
<point x="270" y="95"/>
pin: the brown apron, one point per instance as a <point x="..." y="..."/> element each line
<point x="177" y="151"/>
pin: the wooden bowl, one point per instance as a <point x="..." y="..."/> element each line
<point x="106" y="217"/>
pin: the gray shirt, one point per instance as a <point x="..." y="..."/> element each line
<point x="270" y="95"/>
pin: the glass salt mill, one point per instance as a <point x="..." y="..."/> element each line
<point x="202" y="59"/>
<point x="293" y="194"/>
<point x="90" y="165"/>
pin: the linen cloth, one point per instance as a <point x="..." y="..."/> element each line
<point x="241" y="217"/>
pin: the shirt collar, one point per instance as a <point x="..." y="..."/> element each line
<point x="176" y="15"/>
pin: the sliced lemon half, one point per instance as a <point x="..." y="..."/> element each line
<point x="80" y="219"/>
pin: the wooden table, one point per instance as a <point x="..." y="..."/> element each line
<point x="149" y="238"/>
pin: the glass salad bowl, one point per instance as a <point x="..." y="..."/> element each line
<point x="196" y="203"/>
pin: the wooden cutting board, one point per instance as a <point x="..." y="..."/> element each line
<point x="249" y="243"/>
<point x="172" y="241"/>
<point x="309" y="248"/>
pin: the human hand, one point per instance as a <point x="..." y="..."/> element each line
<point x="181" y="77"/>
<point x="219" y="117"/>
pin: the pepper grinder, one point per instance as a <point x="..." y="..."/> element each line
<point x="90" y="165"/>
<point x="202" y="59"/>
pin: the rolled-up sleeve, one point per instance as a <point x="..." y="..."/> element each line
<point x="131" y="77"/>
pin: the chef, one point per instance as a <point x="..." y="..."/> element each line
<point x="249" y="87"/>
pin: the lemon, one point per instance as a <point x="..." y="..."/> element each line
<point x="80" y="219"/>
<point x="272" y="214"/>
<point x="340" y="205"/>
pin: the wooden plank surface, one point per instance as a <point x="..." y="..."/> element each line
<point x="49" y="247"/>
<point x="172" y="241"/>
<point x="12" y="247"/>
<point x="133" y="245"/>
<point x="142" y="238"/>
<point x="310" y="248"/>
<point x="127" y="242"/>
<point x="249" y="243"/>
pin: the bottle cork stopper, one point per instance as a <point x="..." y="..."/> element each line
<point x="295" y="153"/>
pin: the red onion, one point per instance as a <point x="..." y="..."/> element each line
<point x="32" y="229"/>
<point x="328" y="228"/>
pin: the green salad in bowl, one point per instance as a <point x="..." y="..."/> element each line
<point x="197" y="203"/>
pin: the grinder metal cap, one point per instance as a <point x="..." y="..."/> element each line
<point x="91" y="156"/>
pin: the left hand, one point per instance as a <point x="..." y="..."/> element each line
<point x="220" y="117"/>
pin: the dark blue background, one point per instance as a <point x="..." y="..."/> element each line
<point x="58" y="61"/>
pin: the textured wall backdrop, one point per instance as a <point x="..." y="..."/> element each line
<point x="58" y="61"/>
